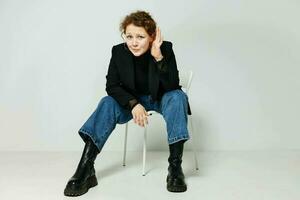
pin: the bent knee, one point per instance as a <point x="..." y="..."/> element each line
<point x="108" y="100"/>
<point x="176" y="95"/>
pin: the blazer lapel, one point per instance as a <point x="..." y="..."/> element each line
<point x="153" y="80"/>
<point x="128" y="64"/>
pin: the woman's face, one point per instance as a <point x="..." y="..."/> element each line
<point x="137" y="39"/>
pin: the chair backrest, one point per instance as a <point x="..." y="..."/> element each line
<point x="185" y="80"/>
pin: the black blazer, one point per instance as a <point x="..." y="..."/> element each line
<point x="120" y="80"/>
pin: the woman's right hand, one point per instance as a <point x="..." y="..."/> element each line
<point x="140" y="115"/>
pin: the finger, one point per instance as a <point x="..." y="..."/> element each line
<point x="158" y="34"/>
<point x="135" y="119"/>
<point x="140" y="119"/>
<point x="155" y="36"/>
<point x="146" y="113"/>
<point x="146" y="120"/>
<point x="141" y="123"/>
<point x="160" y="37"/>
<point x="138" y="122"/>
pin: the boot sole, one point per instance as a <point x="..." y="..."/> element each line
<point x="179" y="188"/>
<point x="90" y="182"/>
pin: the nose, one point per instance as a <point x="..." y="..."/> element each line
<point x="134" y="42"/>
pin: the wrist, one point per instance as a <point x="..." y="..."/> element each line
<point x="159" y="58"/>
<point x="133" y="103"/>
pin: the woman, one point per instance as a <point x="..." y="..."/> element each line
<point x="142" y="76"/>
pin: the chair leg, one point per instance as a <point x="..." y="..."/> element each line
<point x="193" y="142"/>
<point x="125" y="145"/>
<point x="144" y="149"/>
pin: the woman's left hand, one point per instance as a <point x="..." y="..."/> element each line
<point x="155" y="48"/>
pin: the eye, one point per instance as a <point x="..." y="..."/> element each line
<point x="128" y="36"/>
<point x="141" y="37"/>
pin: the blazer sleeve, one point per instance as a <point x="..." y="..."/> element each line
<point x="114" y="86"/>
<point x="167" y="69"/>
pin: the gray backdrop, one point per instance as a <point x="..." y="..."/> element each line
<point x="54" y="56"/>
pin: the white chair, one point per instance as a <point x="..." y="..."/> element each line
<point x="185" y="78"/>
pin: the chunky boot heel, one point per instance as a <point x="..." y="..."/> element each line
<point x="92" y="181"/>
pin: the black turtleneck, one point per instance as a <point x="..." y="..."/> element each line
<point x="141" y="72"/>
<point x="141" y="65"/>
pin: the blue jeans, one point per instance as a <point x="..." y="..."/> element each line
<point x="173" y="107"/>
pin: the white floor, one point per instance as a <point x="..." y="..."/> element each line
<point x="227" y="175"/>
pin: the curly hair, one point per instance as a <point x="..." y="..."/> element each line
<point x="141" y="19"/>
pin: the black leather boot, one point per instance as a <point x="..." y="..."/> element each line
<point x="84" y="177"/>
<point x="175" y="178"/>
